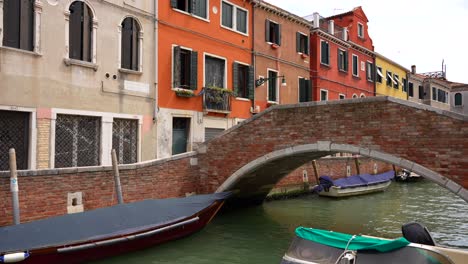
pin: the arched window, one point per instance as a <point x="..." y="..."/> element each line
<point x="18" y="19"/>
<point x="80" y="31"/>
<point x="355" y="96"/>
<point x="363" y="96"/>
<point x="458" y="99"/>
<point x="130" y="44"/>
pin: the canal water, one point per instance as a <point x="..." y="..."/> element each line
<point x="262" y="234"/>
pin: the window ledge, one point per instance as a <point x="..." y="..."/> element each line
<point x="235" y="31"/>
<point x="28" y="52"/>
<point x="123" y="70"/>
<point x="191" y="14"/>
<point x="85" y="64"/>
<point x="342" y="71"/>
<point x="356" y="77"/>
<point x="270" y="103"/>
<point x="242" y="99"/>
<point x="325" y="65"/>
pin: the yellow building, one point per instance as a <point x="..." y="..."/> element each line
<point x="391" y="79"/>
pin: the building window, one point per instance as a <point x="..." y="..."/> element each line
<point x="215" y="72"/>
<point x="130" y="44"/>
<point x="355" y="96"/>
<point x="234" y="17"/>
<point x="305" y="91"/>
<point x="185" y="68"/>
<point x="421" y="92"/>
<point x="324" y="53"/>
<point x="18" y="24"/>
<point x="195" y="7"/>
<point x="389" y="80"/>
<point x="442" y="96"/>
<point x="405" y="85"/>
<point x="458" y="99"/>
<point x="243" y="80"/>
<point x="360" y="30"/>
<point x="434" y="94"/>
<point x="125" y="140"/>
<point x="323" y="95"/>
<point x="272" y="86"/>
<point x="302" y="43"/>
<point x="379" y="75"/>
<point x="14" y="133"/>
<point x="355" y="65"/>
<point x="342" y="60"/>
<point x="77" y="141"/>
<point x="180" y="134"/>
<point x="342" y="96"/>
<point x="272" y="32"/>
<point x="80" y="31"/>
<point x="396" y="80"/>
<point x="370" y="71"/>
<point x="410" y="89"/>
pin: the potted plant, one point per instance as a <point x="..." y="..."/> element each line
<point x="184" y="93"/>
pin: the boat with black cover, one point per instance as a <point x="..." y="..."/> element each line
<point x="105" y="232"/>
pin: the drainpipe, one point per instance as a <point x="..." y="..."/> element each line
<point x="155" y="30"/>
<point x="253" y="55"/>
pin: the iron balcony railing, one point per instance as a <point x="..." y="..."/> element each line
<point x="217" y="99"/>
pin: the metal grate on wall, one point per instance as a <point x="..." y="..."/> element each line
<point x="125" y="140"/>
<point x="14" y="133"/>
<point x="77" y="141"/>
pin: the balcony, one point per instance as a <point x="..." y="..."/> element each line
<point x="217" y="100"/>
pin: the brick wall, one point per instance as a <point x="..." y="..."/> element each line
<point x="43" y="143"/>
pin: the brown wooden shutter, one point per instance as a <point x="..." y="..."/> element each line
<point x="75" y="30"/>
<point x="193" y="70"/>
<point x="11" y="23"/>
<point x="26" y="25"/>
<point x="87" y="29"/>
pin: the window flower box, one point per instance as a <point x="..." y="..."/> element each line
<point x="274" y="46"/>
<point x="184" y="93"/>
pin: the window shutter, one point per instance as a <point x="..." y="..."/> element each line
<point x="235" y="77"/>
<point x="302" y="90"/>
<point x="279" y="34"/>
<point x="174" y="3"/>
<point x="11" y="27"/>
<point x="26" y="25"/>
<point x="76" y="9"/>
<point x="338" y="59"/>
<point x="308" y="91"/>
<point x="135" y="32"/>
<point x="298" y="42"/>
<point x="250" y="83"/>
<point x="192" y="6"/>
<point x="87" y="27"/>
<point x="193" y="70"/>
<point x="307" y="45"/>
<point x="346" y="61"/>
<point x="267" y="30"/>
<point x="177" y="69"/>
<point x="322" y="52"/>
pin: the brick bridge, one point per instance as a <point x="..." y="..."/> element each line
<point x="250" y="158"/>
<point x="254" y="155"/>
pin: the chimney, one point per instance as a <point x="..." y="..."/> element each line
<point x="413" y="69"/>
<point x="331" y="27"/>
<point x="316" y="20"/>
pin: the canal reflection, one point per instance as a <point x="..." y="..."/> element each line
<point x="262" y="234"/>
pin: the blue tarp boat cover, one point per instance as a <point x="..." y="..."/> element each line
<point x="357" y="180"/>
<point x="102" y="223"/>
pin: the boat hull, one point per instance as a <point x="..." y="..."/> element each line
<point x="335" y="191"/>
<point x="126" y="243"/>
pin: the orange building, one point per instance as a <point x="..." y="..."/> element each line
<point x="205" y="70"/>
<point x="281" y="52"/>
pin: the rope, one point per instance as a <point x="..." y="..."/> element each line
<point x="346" y="250"/>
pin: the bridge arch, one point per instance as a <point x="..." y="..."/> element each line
<point x="258" y="179"/>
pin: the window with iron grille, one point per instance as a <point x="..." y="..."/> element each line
<point x="77" y="141"/>
<point x="125" y="140"/>
<point x="14" y="133"/>
<point x="18" y="23"/>
<point x="130" y="45"/>
<point x="80" y="31"/>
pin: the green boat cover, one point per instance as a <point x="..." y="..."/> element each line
<point x="340" y="240"/>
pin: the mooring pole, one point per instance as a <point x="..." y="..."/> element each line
<point x="14" y="187"/>
<point x="356" y="161"/>
<point x="118" y="187"/>
<point x="316" y="173"/>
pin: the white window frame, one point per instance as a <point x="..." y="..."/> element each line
<point x="378" y="70"/>
<point x="355" y="95"/>
<point x="172" y="66"/>
<point x="277" y="86"/>
<point x="68" y="60"/>
<point x="207" y="19"/>
<point x="242" y="98"/>
<point x="107" y="120"/>
<point x="326" y="92"/>
<point x="362" y="95"/>
<point x="308" y="41"/>
<point x="341" y="95"/>
<point x="36" y="27"/>
<point x="360" y="30"/>
<point x="328" y="43"/>
<point x="234" y="18"/>
<point x="357" y="65"/>
<point x="369" y="67"/>
<point x="204" y="68"/>
<point x="140" y="46"/>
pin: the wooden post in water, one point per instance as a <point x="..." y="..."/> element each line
<point x="356" y="161"/>
<point x="118" y="187"/>
<point x="14" y="187"/>
<point x="316" y="173"/>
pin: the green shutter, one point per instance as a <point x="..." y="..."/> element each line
<point x="174" y="3"/>
<point x="307" y="45"/>
<point x="302" y="90"/>
<point x="346" y="60"/>
<point x="308" y="91"/>
<point x="250" y="83"/>
<point x="235" y="77"/>
<point x="279" y="34"/>
<point x="193" y="70"/>
<point x="176" y="70"/>
<point x="192" y="6"/>
<point x="298" y="42"/>
<point x="267" y="30"/>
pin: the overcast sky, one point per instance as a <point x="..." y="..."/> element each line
<point x="418" y="32"/>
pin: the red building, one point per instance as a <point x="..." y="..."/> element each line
<point x="344" y="64"/>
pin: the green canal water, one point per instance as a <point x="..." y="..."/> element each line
<point x="262" y="234"/>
